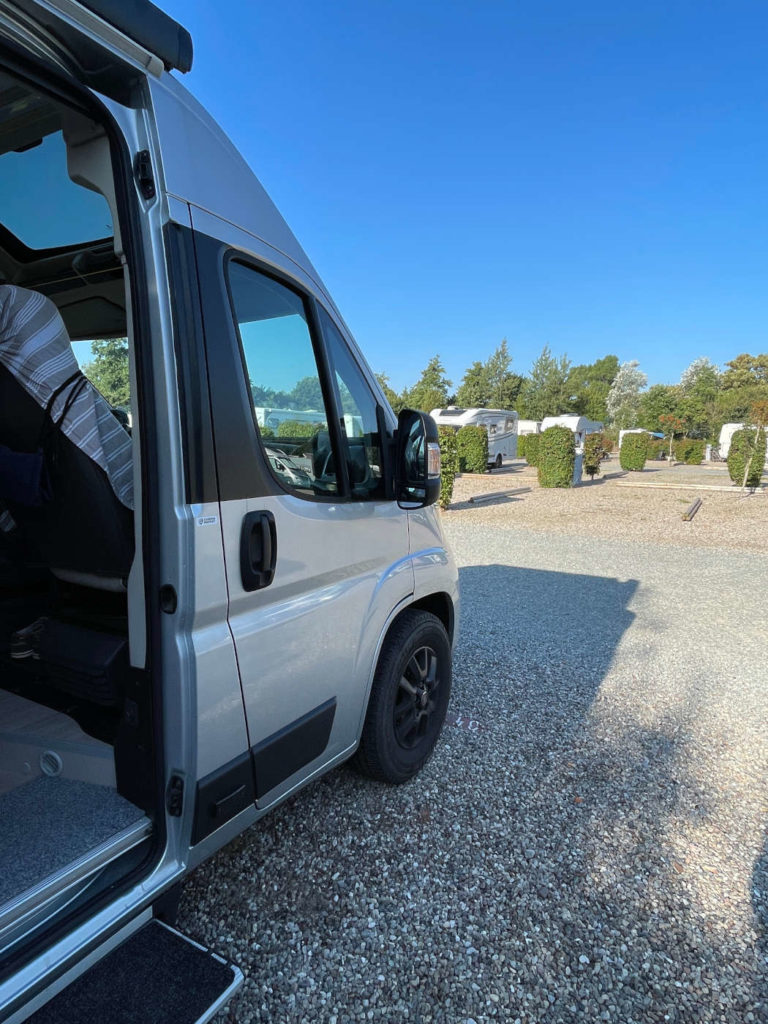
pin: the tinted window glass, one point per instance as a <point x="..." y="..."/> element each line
<point x="359" y="423"/>
<point x="285" y="388"/>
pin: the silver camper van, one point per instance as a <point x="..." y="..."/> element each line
<point x="198" y="614"/>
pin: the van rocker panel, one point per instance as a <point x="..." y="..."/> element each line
<point x="287" y="751"/>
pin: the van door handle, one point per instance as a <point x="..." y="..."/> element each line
<point x="258" y="550"/>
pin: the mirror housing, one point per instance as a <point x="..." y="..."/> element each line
<point x="417" y="462"/>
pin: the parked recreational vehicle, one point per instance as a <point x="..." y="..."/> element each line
<point x="580" y="425"/>
<point x="726" y="436"/>
<point x="192" y="624"/>
<point x="501" y="425"/>
<point x="525" y="427"/>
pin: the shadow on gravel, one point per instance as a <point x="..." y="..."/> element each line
<point x="547" y="868"/>
<point x="549" y="620"/>
<point x="760" y="908"/>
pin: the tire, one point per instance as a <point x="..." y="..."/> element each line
<point x="498" y="461"/>
<point x="409" y="699"/>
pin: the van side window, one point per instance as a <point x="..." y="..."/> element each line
<point x="359" y="424"/>
<point x="286" y="394"/>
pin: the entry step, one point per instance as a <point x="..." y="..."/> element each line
<point x="158" y="976"/>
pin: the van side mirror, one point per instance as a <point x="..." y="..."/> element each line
<point x="417" y="466"/>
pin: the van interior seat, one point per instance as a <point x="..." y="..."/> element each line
<point x="82" y="529"/>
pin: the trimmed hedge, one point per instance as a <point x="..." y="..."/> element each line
<point x="594" y="446"/>
<point x="557" y="454"/>
<point x="532" y="446"/>
<point x="521" y="439"/>
<point x="449" y="464"/>
<point x="472" y="445"/>
<point x="689" y="450"/>
<point x="295" y="428"/>
<point x="606" y="442"/>
<point x="657" y="446"/>
<point x="742" y="446"/>
<point x="633" y="452"/>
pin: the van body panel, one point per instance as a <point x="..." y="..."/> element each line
<point x="311" y="635"/>
<point x="203" y="167"/>
<point x="434" y="567"/>
<point x="218" y="711"/>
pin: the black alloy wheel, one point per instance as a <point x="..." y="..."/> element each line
<point x="409" y="698"/>
<point x="416" y="699"/>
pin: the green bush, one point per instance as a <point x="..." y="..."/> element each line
<point x="607" y="443"/>
<point x="593" y="454"/>
<point x="472" y="445"/>
<point x="449" y="463"/>
<point x="689" y="450"/>
<point x="557" y="453"/>
<point x="532" y="445"/>
<point x="522" y="438"/>
<point x="656" y="446"/>
<point x="743" y="445"/>
<point x="633" y="452"/>
<point x="295" y="428"/>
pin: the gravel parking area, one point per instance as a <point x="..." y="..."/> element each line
<point x="588" y="842"/>
<point x="607" y="509"/>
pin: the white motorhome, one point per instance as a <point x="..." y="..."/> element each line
<point x="726" y="436"/>
<point x="192" y="626"/>
<point x="525" y="427"/>
<point x="500" y="424"/>
<point x="580" y="425"/>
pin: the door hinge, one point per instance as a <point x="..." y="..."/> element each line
<point x="144" y="176"/>
<point x="174" y="796"/>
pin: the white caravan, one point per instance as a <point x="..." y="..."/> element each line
<point x="580" y="425"/>
<point x="525" y="427"/>
<point x="726" y="436"/>
<point x="193" y="625"/>
<point x="500" y="424"/>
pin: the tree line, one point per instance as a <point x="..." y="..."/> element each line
<point x="611" y="392"/>
<point x="616" y="394"/>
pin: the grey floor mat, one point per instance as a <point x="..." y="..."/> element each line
<point x="49" y="823"/>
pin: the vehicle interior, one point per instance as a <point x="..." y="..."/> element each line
<point x="74" y="813"/>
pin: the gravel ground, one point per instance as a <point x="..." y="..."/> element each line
<point x="603" y="509"/>
<point x="592" y="847"/>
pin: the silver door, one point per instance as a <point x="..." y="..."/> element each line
<point x="317" y="558"/>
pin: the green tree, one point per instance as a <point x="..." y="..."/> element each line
<point x="699" y="387"/>
<point x="431" y="390"/>
<point x="390" y="394"/>
<point x="671" y="425"/>
<point x="545" y="392"/>
<point x="588" y="386"/>
<point x="746" y="371"/>
<point x="108" y="371"/>
<point x="307" y="394"/>
<point x="475" y="388"/>
<point x="658" y="400"/>
<point x="744" y="382"/>
<point x="504" y="385"/>
<point x="490" y="384"/>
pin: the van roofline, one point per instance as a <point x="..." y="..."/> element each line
<point x="142" y="22"/>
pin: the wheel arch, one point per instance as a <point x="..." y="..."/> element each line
<point x="439" y="604"/>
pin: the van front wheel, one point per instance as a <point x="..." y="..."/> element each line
<point x="409" y="699"/>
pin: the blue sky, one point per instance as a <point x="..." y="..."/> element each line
<point x="590" y="176"/>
